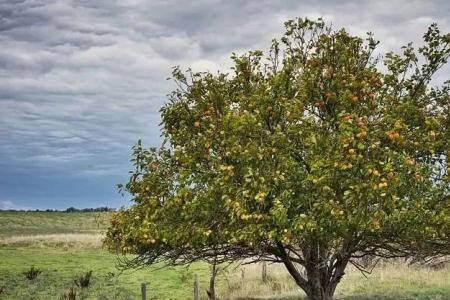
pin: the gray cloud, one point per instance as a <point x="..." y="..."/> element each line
<point x="81" y="80"/>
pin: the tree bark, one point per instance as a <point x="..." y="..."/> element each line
<point x="318" y="287"/>
<point x="212" y="281"/>
<point x="322" y="275"/>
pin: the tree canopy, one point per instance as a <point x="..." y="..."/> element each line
<point x="313" y="155"/>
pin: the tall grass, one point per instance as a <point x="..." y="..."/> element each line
<point x="57" y="240"/>
<point x="245" y="282"/>
<point x="389" y="281"/>
<point x="32" y="223"/>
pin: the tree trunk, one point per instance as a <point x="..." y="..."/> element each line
<point x="322" y="282"/>
<point x="212" y="291"/>
<point x="318" y="292"/>
<point x="321" y="277"/>
<point x="318" y="283"/>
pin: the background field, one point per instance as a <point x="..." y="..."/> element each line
<point x="65" y="245"/>
<point x="31" y="223"/>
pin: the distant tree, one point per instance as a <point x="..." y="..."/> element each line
<point x="98" y="209"/>
<point x="312" y="157"/>
<point x="71" y="209"/>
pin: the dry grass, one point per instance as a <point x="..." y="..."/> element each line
<point x="245" y="282"/>
<point x="60" y="240"/>
<point x="390" y="279"/>
<point x="394" y="278"/>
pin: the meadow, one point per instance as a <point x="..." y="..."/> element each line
<point x="66" y="245"/>
<point x="19" y="223"/>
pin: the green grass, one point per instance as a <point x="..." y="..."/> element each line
<point x="57" y="244"/>
<point x="60" y="268"/>
<point x="31" y="223"/>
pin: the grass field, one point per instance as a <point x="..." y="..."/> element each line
<point x="65" y="245"/>
<point x="61" y="267"/>
<point x="32" y="223"/>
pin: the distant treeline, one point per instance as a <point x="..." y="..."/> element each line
<point x="98" y="209"/>
<point x="68" y="210"/>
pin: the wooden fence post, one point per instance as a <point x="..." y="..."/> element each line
<point x="264" y="271"/>
<point x="196" y="288"/>
<point x="144" y="291"/>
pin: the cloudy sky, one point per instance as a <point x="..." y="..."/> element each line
<point x="82" y="80"/>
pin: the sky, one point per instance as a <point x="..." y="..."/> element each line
<point x="82" y="81"/>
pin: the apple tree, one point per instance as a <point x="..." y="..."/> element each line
<point x="312" y="156"/>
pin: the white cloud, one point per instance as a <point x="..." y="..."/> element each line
<point x="80" y="81"/>
<point x="7" y="204"/>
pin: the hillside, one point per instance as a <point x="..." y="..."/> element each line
<point x="43" y="223"/>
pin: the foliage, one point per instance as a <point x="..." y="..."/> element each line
<point x="32" y="273"/>
<point x="310" y="156"/>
